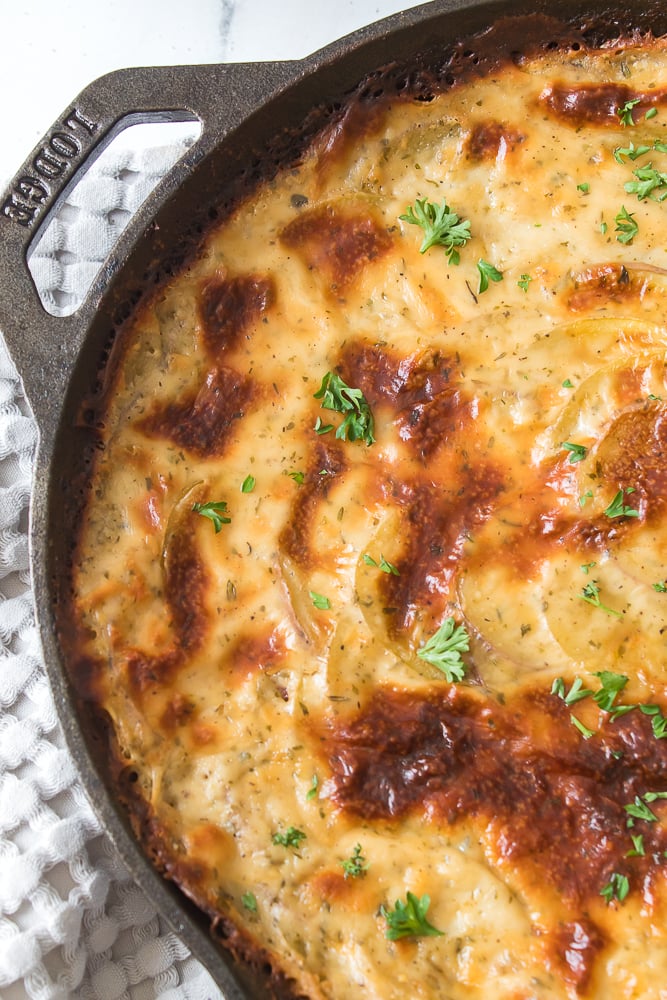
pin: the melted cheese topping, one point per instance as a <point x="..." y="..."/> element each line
<point x="246" y="709"/>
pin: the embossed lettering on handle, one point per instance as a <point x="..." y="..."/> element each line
<point x="34" y="192"/>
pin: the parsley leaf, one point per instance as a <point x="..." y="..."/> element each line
<point x="298" y="477"/>
<point x="215" y="511"/>
<point x="321" y="428"/>
<point x="591" y="594"/>
<point x="443" y="650"/>
<point x="611" y="686"/>
<point x="524" y="281"/>
<point x="638" y="850"/>
<point x="336" y="395"/>
<point x="441" y="226"/>
<point x="383" y="565"/>
<point x="487" y="272"/>
<point x="584" y="730"/>
<point x="633" y="153"/>
<point x="576" y="692"/>
<point x="660" y="587"/>
<point x="291" y="838"/>
<point x="648" y="180"/>
<point x="312" y="791"/>
<point x="658" y="720"/>
<point x="619" y="509"/>
<point x="577" y="451"/>
<point x="248" y="484"/>
<point x="356" y="865"/>
<point x="616" y="888"/>
<point x="321" y="602"/>
<point x="409" y="919"/>
<point x="639" y="810"/>
<point x="249" y="900"/>
<point x="625" y="113"/>
<point x="626" y="226"/>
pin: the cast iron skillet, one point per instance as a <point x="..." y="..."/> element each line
<point x="250" y="114"/>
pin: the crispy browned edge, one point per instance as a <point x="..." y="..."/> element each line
<point x="428" y="75"/>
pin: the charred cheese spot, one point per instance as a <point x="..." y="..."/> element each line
<point x="178" y="712"/>
<point x="230" y="306"/>
<point x="295" y="537"/>
<point x="575" y="947"/>
<point x="633" y="455"/>
<point x="336" y="243"/>
<point x="339" y="141"/>
<point x="204" y="422"/>
<point x="600" y="284"/>
<point x="552" y="802"/>
<point x="261" y="652"/>
<point x="492" y="141"/>
<point x="186" y="584"/>
<point x="597" y="103"/>
<point x="434" y="527"/>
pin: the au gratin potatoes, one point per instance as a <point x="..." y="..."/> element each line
<point x="371" y="580"/>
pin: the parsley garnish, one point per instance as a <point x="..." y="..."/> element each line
<point x="577" y="451"/>
<point x="248" y="484"/>
<point x="660" y="587"/>
<point x="441" y="226"/>
<point x="298" y="477"/>
<point x="321" y="428"/>
<point x="314" y="785"/>
<point x="524" y="281"/>
<point x="638" y="850"/>
<point x="568" y="384"/>
<point x="658" y="720"/>
<point x="409" y="919"/>
<point x="291" y="838"/>
<point x="626" y="226"/>
<point x="215" y="511"/>
<point x="639" y="810"/>
<point x="588" y="495"/>
<point x="651" y="113"/>
<point x="443" y="650"/>
<point x="584" y="730"/>
<point x="616" y="888"/>
<point x="625" y="113"/>
<point x="584" y="187"/>
<point x="336" y="395"/>
<point x="633" y="153"/>
<point x="487" y="272"/>
<point x="576" y="692"/>
<point x="611" y="686"/>
<point x="321" y="602"/>
<point x="619" y="509"/>
<point x="356" y="865"/>
<point x="591" y="594"/>
<point x="383" y="565"/>
<point x="249" y="900"/>
<point x="648" y="180"/>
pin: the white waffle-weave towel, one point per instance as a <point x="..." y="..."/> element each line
<point x="72" y="922"/>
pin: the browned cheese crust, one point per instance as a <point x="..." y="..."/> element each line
<point x="306" y="773"/>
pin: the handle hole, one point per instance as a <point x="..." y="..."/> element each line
<point x="85" y="226"/>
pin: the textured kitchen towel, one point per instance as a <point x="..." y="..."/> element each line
<point x="72" y="922"/>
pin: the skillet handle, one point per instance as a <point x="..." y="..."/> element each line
<point x="44" y="347"/>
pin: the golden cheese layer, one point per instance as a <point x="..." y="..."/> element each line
<point x="305" y="767"/>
